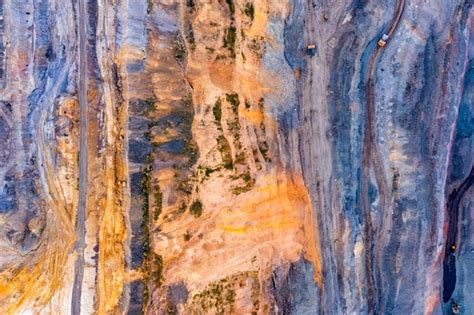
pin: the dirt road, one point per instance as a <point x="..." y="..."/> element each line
<point x="371" y="157"/>
<point x="82" y="202"/>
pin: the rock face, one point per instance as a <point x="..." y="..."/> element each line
<point x="193" y="157"/>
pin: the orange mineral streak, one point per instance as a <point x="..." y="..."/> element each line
<point x="32" y="281"/>
<point x="259" y="25"/>
<point x="112" y="234"/>
<point x="111" y="264"/>
<point x="40" y="271"/>
<point x="278" y="208"/>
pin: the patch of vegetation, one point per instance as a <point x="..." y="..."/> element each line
<point x="247" y="104"/>
<point x="187" y="101"/>
<point x="196" y="208"/>
<point x="145" y="187"/>
<point x="182" y="208"/>
<point x="217" y="111"/>
<point x="149" y="105"/>
<point x="234" y="101"/>
<point x="149" y="6"/>
<point x="234" y="125"/>
<point x="210" y="50"/>
<point x="157" y="270"/>
<point x="158" y="196"/>
<point x="256" y="47"/>
<point x="231" y="5"/>
<point x="190" y="4"/>
<point x="219" y="297"/>
<point x="191" y="150"/>
<point x="206" y="171"/>
<point x="179" y="49"/>
<point x="395" y="180"/>
<point x="224" y="148"/>
<point x="150" y="102"/>
<point x="230" y="39"/>
<point x="263" y="147"/>
<point x="187" y="236"/>
<point x="249" y="10"/>
<point x="147" y="135"/>
<point x="190" y="37"/>
<point x="186" y="187"/>
<point x="230" y="297"/>
<point x="240" y="158"/>
<point x="170" y="308"/>
<point x="249" y="183"/>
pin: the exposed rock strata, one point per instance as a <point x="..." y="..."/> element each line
<point x="190" y="157"/>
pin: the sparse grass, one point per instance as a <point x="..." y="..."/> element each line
<point x="187" y="101"/>
<point x="249" y="10"/>
<point x="145" y="187"/>
<point x="149" y="6"/>
<point x="263" y="147"/>
<point x="217" y="111"/>
<point x="210" y="50"/>
<point x="147" y="135"/>
<point x="206" y="171"/>
<point x="158" y="196"/>
<point x="230" y="39"/>
<point x="219" y="297"/>
<point x="234" y="125"/>
<point x="179" y="49"/>
<point x="224" y="148"/>
<point x="249" y="183"/>
<point x="157" y="269"/>
<point x="240" y="158"/>
<point x="196" y="208"/>
<point x="190" y="37"/>
<point x="186" y="187"/>
<point x="149" y="105"/>
<point x="231" y="5"/>
<point x="187" y="236"/>
<point x="256" y="47"/>
<point x="234" y="101"/>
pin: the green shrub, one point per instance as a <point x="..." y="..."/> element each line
<point x="158" y="195"/>
<point x="179" y="49"/>
<point x="231" y="5"/>
<point x="229" y="39"/>
<point x="196" y="209"/>
<point x="224" y="148"/>
<point x="234" y="101"/>
<point x="187" y="236"/>
<point x="217" y="111"/>
<point x="249" y="10"/>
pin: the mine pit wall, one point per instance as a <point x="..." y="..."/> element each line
<point x="2" y="47"/>
<point x="107" y="221"/>
<point x="234" y="63"/>
<point x="457" y="281"/>
<point x="165" y="81"/>
<point x="387" y="261"/>
<point x="38" y="103"/>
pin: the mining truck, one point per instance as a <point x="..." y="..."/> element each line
<point x="382" y="41"/>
